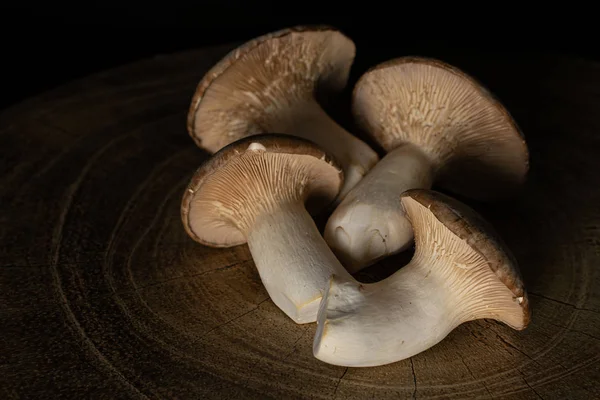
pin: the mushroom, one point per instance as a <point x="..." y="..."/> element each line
<point x="461" y="271"/>
<point x="261" y="190"/>
<point x="438" y="126"/>
<point x="270" y="84"/>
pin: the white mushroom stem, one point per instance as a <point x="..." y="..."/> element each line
<point x="445" y="284"/>
<point x="293" y="260"/>
<point x="310" y="121"/>
<point x="369" y="223"/>
<point x="363" y="325"/>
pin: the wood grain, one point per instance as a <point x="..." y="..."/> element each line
<point x="102" y="295"/>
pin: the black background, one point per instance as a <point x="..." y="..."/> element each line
<point x="45" y="47"/>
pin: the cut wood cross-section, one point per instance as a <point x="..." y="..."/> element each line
<point x="102" y="293"/>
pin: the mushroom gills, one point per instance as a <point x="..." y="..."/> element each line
<point x="447" y="283"/>
<point x="469" y="145"/>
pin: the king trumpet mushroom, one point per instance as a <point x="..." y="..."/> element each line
<point x="461" y="271"/>
<point x="438" y="126"/>
<point x="270" y="84"/>
<point x="261" y="190"/>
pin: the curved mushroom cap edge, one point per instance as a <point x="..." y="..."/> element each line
<point x="480" y="235"/>
<point x="273" y="143"/>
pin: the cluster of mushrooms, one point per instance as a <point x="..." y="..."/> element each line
<point x="278" y="159"/>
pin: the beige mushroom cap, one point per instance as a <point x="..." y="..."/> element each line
<point x="469" y="226"/>
<point x="251" y="90"/>
<point x="472" y="141"/>
<point x="251" y="176"/>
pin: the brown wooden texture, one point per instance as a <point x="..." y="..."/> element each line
<point x="102" y="294"/>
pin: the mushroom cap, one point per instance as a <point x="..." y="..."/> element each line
<point x="470" y="227"/>
<point x="473" y="142"/>
<point x="251" y="176"/>
<point x="258" y="82"/>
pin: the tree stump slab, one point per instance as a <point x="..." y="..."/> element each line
<point x="103" y="295"/>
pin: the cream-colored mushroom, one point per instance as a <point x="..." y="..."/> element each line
<point x="438" y="126"/>
<point x="270" y="84"/>
<point x="461" y="271"/>
<point x="261" y="190"/>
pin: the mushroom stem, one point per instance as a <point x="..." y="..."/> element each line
<point x="363" y="325"/>
<point x="446" y="284"/>
<point x="369" y="223"/>
<point x="310" y="121"/>
<point x="293" y="260"/>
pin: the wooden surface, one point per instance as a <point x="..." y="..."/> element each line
<point x="102" y="294"/>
